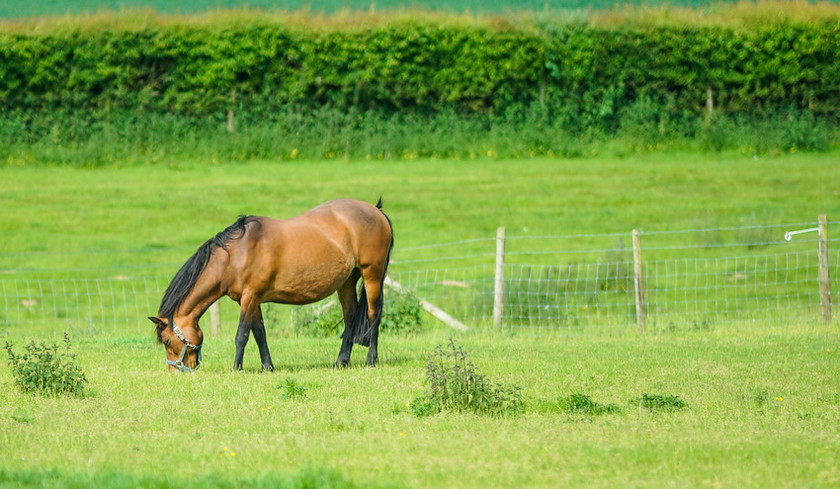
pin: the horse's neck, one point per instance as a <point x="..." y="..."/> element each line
<point x="203" y="294"/>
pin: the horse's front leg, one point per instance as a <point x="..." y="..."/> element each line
<point x="258" y="328"/>
<point x="242" y="334"/>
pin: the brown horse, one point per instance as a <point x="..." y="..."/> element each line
<point x="293" y="261"/>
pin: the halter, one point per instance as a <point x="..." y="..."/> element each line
<point x="180" y="363"/>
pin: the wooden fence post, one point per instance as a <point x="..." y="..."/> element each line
<point x="825" y="282"/>
<point x="638" y="281"/>
<point x="215" y="319"/>
<point x="499" y="289"/>
<point x="230" y="126"/>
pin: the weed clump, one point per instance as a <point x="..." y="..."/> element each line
<point x="47" y="370"/>
<point x="581" y="405"/>
<point x="455" y="384"/>
<point x="292" y="390"/>
<point x="656" y="402"/>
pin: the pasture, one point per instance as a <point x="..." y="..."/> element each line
<point x="763" y="410"/>
<point x="763" y="406"/>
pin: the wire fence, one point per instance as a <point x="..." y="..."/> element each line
<point x="692" y="279"/>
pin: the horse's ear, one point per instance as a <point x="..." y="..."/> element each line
<point x="158" y="322"/>
<point x="160" y="325"/>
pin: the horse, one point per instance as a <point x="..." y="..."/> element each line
<point x="299" y="260"/>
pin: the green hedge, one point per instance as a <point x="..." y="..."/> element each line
<point x="422" y="66"/>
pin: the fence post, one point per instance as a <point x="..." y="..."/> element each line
<point x="638" y="282"/>
<point x="825" y="283"/>
<point x="215" y="319"/>
<point x="499" y="288"/>
<point x="230" y="126"/>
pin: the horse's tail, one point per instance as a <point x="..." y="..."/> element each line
<point x="362" y="326"/>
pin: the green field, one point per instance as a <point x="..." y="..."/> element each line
<point x="93" y="201"/>
<point x="763" y="410"/>
<point x="763" y="402"/>
<point x="156" y="215"/>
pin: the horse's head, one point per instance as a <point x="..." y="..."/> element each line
<point x="183" y="344"/>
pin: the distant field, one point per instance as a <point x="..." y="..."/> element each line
<point x="26" y="8"/>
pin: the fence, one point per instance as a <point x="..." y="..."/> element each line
<point x="687" y="279"/>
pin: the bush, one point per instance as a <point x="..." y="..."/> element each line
<point x="584" y="74"/>
<point x="455" y="384"/>
<point x="400" y="315"/>
<point x="44" y="369"/>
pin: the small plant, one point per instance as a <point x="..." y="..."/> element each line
<point x="583" y="405"/>
<point x="46" y="370"/>
<point x="455" y="384"/>
<point x="656" y="402"/>
<point x="292" y="390"/>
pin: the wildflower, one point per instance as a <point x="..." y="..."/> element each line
<point x="780" y="399"/>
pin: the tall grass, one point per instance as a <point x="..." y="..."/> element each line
<point x="89" y="140"/>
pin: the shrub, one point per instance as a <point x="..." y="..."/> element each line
<point x="44" y="369"/>
<point x="400" y="315"/>
<point x="455" y="384"/>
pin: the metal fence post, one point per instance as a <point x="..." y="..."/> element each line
<point x="638" y="281"/>
<point x="825" y="282"/>
<point x="499" y="289"/>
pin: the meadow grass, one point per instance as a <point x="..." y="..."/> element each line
<point x="145" y="219"/>
<point x="763" y="409"/>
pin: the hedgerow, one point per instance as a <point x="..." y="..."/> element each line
<point x="579" y="71"/>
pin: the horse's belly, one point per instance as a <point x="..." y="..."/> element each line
<point x="306" y="284"/>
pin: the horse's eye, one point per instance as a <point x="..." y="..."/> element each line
<point x="166" y="343"/>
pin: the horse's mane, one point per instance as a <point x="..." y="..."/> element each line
<point x="186" y="277"/>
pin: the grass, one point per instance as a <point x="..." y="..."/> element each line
<point x="140" y="219"/>
<point x="762" y="402"/>
<point x="763" y="409"/>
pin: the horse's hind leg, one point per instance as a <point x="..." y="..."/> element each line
<point x="373" y="278"/>
<point x="258" y="329"/>
<point x="349" y="303"/>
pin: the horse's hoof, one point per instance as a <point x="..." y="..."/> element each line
<point x="342" y="364"/>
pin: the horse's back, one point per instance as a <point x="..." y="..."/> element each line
<point x="362" y="223"/>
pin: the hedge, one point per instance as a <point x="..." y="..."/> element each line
<point x="422" y="66"/>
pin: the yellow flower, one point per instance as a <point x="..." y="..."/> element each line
<point x="780" y="399"/>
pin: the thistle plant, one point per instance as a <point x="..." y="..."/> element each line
<point x="47" y="369"/>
